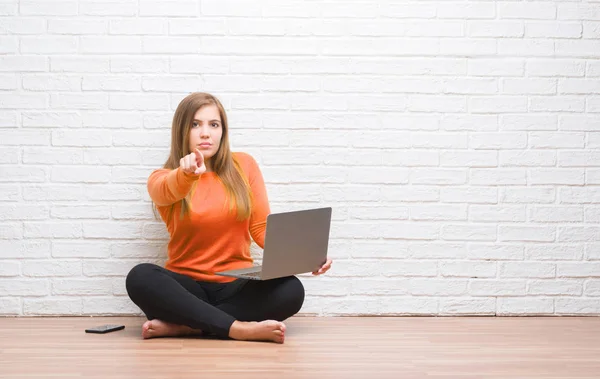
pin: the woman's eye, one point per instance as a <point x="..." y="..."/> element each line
<point x="215" y="125"/>
<point x="194" y="124"/>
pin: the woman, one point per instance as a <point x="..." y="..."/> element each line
<point x="212" y="201"/>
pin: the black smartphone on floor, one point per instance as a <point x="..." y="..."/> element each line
<point x="105" y="329"/>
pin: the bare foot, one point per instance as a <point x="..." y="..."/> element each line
<point x="268" y="330"/>
<point x="157" y="328"/>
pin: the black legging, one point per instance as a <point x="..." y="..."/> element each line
<point x="212" y="307"/>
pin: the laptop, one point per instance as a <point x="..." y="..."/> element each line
<point x="295" y="243"/>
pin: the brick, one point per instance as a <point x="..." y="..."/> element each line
<point x="52" y="156"/>
<point x="10" y="155"/>
<point x="553" y="29"/>
<point x="10" y="268"/>
<point x="526" y="270"/>
<point x="23" y="212"/>
<point x="549" y="214"/>
<point x="458" y="232"/>
<point x="48" y="45"/>
<point x="138" y="26"/>
<point x="468" y="269"/>
<point x="80" y="212"/>
<point x="108" y="8"/>
<point x="554" y="252"/>
<point x="511" y="47"/>
<point x="498" y="176"/>
<point x="476" y="195"/>
<point x="80" y="249"/>
<point x="9" y="306"/>
<point x="170" y="45"/>
<point x="51" y="119"/>
<point x="185" y="8"/>
<point x="438" y="212"/>
<point x="77" y="27"/>
<point x="52" y="229"/>
<point x="138" y="249"/>
<point x="533" y="86"/>
<point x="556" y="140"/>
<point x="379" y="213"/>
<point x="72" y="64"/>
<point x="592" y="287"/>
<point x="24" y="249"/>
<point x="8" y="119"/>
<point x="10" y="192"/>
<point x="494" y="213"/>
<point x="555" y="287"/>
<point x="24" y="101"/>
<point x="579" y="195"/>
<point x="82" y="287"/>
<point x="107" y="268"/>
<point x="22" y="174"/>
<point x="493" y="287"/>
<point x="54" y="268"/>
<point x="467" y="306"/>
<point x="495" y="67"/>
<point x="112" y="229"/>
<point x="504" y="140"/>
<point x="555" y="67"/>
<point x="577" y="306"/>
<point x="542" y="176"/>
<point x="80" y="174"/>
<point x="113" y="192"/>
<point x="155" y="231"/>
<point x="531" y="10"/>
<point x="466" y="10"/>
<point x="24" y="287"/>
<point x="500" y="252"/>
<point x="110" y="45"/>
<point x="438" y="176"/>
<point x="526" y="233"/>
<point x="111" y="83"/>
<point x="438" y="287"/>
<point x="212" y="26"/>
<point x="52" y="307"/>
<point x="110" y="306"/>
<point x="578" y="233"/>
<point x="52" y="192"/>
<point x="578" y="12"/>
<point x="495" y="29"/>
<point x="507" y="306"/>
<point x="48" y="8"/>
<point x="528" y="158"/>
<point x="412" y="158"/>
<point x="78" y="101"/>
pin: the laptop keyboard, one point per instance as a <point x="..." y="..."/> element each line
<point x="255" y="274"/>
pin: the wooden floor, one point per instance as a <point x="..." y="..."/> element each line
<point x="402" y="347"/>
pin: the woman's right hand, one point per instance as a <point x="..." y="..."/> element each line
<point x="193" y="163"/>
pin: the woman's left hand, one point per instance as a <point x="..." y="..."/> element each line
<point x="326" y="266"/>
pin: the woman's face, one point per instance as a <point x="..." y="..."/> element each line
<point x="206" y="131"/>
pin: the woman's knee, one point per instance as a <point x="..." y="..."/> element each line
<point x="138" y="276"/>
<point x="294" y="295"/>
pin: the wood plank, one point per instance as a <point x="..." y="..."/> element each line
<point x="344" y="347"/>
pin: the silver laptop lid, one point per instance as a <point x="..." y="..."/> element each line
<point x="296" y="242"/>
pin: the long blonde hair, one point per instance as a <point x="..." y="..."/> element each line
<point x="227" y="168"/>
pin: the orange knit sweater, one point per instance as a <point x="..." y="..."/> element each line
<point x="210" y="239"/>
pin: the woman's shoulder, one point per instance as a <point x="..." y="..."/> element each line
<point x="246" y="160"/>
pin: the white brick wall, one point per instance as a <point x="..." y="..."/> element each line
<point x="457" y="141"/>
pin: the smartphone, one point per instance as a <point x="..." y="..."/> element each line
<point x="105" y="329"/>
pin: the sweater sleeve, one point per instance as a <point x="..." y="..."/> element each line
<point x="260" y="203"/>
<point x="169" y="186"/>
